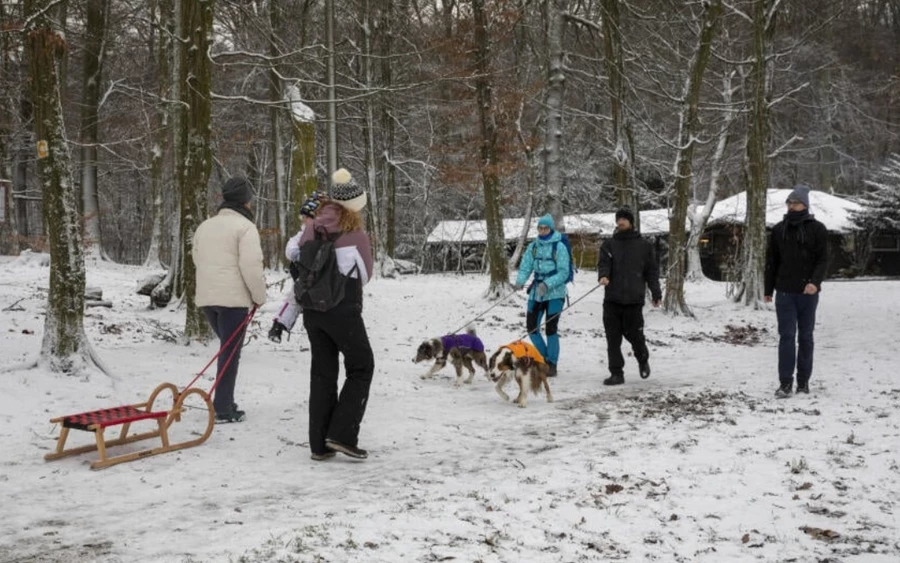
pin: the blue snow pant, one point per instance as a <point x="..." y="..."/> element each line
<point x="796" y="314"/>
<point x="549" y="349"/>
<point x="224" y="321"/>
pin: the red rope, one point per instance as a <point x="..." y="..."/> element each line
<point x="238" y="331"/>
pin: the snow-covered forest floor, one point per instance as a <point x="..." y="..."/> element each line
<point x="698" y="463"/>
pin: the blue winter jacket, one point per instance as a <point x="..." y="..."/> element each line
<point x="539" y="260"/>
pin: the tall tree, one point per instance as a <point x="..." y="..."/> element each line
<point x="489" y="154"/>
<point x="92" y="74"/>
<point x="163" y="16"/>
<point x="688" y="122"/>
<point x="65" y="347"/>
<point x="195" y="157"/>
<point x="614" y="58"/>
<point x="554" y="101"/>
<point x="754" y="259"/>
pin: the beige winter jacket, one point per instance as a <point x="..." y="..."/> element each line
<point x="228" y="257"/>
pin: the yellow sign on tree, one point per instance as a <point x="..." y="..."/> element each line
<point x="43" y="150"/>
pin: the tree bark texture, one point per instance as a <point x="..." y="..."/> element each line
<point x="94" y="46"/>
<point x="65" y="347"/>
<point x="489" y="155"/>
<point x="689" y="117"/>
<point x="196" y="157"/>
<point x="754" y="259"/>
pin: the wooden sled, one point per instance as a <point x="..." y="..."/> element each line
<point x="98" y="421"/>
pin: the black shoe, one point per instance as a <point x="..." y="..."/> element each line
<point x="552" y="371"/>
<point x="234" y="415"/>
<point x="275" y="332"/>
<point x="614" y="380"/>
<point x="803" y="388"/>
<point x="322" y="457"/>
<point x="351" y="451"/>
<point x="783" y="392"/>
<point x="644" y="369"/>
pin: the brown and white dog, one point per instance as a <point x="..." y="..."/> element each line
<point x="461" y="349"/>
<point x="522" y="361"/>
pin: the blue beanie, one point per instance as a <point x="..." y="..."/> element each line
<point x="546" y="221"/>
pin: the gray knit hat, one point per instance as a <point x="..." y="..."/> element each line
<point x="799" y="193"/>
<point x="237" y="190"/>
<point x="346" y="192"/>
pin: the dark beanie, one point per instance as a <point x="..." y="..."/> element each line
<point x="237" y="190"/>
<point x="625" y="213"/>
<point x="799" y="193"/>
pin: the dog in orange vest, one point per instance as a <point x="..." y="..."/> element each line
<point x="522" y="361"/>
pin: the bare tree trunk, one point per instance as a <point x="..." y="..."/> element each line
<point x="94" y="47"/>
<point x="555" y="98"/>
<point x="389" y="171"/>
<point x="373" y="215"/>
<point x="65" y="347"/>
<point x="496" y="243"/>
<point x="697" y="219"/>
<point x="623" y="176"/>
<point x="303" y="155"/>
<point x="331" y="145"/>
<point x="195" y="157"/>
<point x="689" y="117"/>
<point x="160" y="160"/>
<point x="9" y="124"/>
<point x="754" y="259"/>
<point x="531" y="184"/>
<point x="276" y="95"/>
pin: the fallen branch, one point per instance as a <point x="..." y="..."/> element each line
<point x="13" y="306"/>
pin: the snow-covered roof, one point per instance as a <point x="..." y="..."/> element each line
<point x="832" y="211"/>
<point x="653" y="222"/>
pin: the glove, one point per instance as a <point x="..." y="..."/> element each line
<point x="294" y="270"/>
<point x="541" y="289"/>
<point x="519" y="286"/>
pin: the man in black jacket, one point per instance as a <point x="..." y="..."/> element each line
<point x="795" y="267"/>
<point x="626" y="266"/>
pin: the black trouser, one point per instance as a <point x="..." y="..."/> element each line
<point x="338" y="331"/>
<point x="628" y="321"/>
<point x="224" y="321"/>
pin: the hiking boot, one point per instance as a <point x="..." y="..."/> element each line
<point x="275" y="332"/>
<point x="614" y="379"/>
<point x="803" y="388"/>
<point x="783" y="392"/>
<point x="552" y="371"/>
<point x="644" y="369"/>
<point x="351" y="451"/>
<point x="234" y="415"/>
<point x="322" y="457"/>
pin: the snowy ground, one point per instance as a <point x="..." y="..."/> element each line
<point x="697" y="463"/>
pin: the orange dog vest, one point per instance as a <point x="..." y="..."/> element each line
<point x="520" y="349"/>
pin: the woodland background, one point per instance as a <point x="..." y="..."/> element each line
<point x="406" y="114"/>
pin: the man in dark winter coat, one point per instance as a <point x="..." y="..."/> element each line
<point x="626" y="267"/>
<point x="795" y="267"/>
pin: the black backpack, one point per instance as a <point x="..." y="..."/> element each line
<point x="319" y="284"/>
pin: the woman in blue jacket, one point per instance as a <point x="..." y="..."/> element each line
<point x="547" y="258"/>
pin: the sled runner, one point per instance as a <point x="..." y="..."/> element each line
<point x="99" y="420"/>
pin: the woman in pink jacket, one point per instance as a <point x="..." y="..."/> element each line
<point x="334" y="419"/>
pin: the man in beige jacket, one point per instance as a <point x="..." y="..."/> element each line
<point x="230" y="279"/>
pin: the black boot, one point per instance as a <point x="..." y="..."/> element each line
<point x="551" y="372"/>
<point x="234" y="415"/>
<point x="275" y="332"/>
<point x="644" y="369"/>
<point x="351" y="451"/>
<point x="614" y="379"/>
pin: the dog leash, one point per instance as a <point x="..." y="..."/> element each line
<point x="486" y="311"/>
<point x="564" y="309"/>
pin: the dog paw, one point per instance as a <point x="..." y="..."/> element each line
<point x="522" y="404"/>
